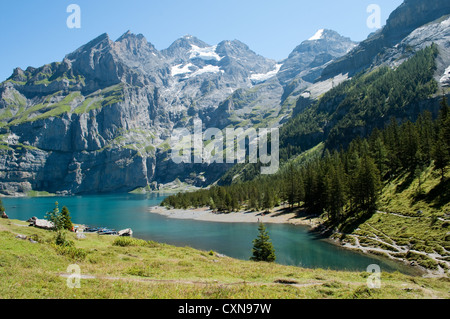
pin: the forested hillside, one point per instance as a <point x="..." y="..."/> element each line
<point x="355" y="108"/>
<point x="396" y="162"/>
<point x="340" y="183"/>
<point x="388" y="194"/>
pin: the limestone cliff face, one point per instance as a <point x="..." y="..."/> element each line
<point x="101" y="119"/>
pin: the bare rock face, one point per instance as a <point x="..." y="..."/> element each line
<point x="324" y="47"/>
<point x="101" y="120"/>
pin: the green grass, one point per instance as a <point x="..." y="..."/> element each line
<point x="399" y="224"/>
<point x="133" y="268"/>
<point x="33" y="193"/>
<point x="45" y="110"/>
<point x="100" y="99"/>
<point x="70" y="103"/>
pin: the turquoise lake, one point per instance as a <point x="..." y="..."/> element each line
<point x="294" y="245"/>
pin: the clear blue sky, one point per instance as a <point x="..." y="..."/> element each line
<point x="35" y="33"/>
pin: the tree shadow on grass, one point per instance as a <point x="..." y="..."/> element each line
<point x="405" y="184"/>
<point x="438" y="196"/>
<point x="350" y="225"/>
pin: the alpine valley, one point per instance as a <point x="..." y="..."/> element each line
<point x="363" y="184"/>
<point x="100" y="120"/>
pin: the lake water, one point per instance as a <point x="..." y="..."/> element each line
<point x="294" y="245"/>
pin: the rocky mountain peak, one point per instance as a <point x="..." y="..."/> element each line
<point x="233" y="48"/>
<point x="131" y="37"/>
<point x="324" y="46"/>
<point x="325" y="34"/>
<point x="101" y="42"/>
<point x="180" y="48"/>
<point x="413" y="14"/>
<point x="326" y="40"/>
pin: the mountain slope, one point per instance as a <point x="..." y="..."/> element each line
<point x="101" y="120"/>
<point x="409" y="16"/>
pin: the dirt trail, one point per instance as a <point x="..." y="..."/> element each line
<point x="191" y="282"/>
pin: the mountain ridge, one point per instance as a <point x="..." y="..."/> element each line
<point x="101" y="119"/>
<point x="410" y="15"/>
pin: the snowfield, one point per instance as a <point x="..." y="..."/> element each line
<point x="317" y="36"/>
<point x="445" y="80"/>
<point x="265" y="76"/>
<point x="188" y="73"/>
<point x="207" y="54"/>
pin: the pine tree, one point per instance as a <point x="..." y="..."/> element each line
<point x="409" y="146"/>
<point x="426" y="128"/>
<point x="66" y="219"/>
<point x="441" y="156"/>
<point x="262" y="246"/>
<point x="366" y="185"/>
<point x="336" y="193"/>
<point x="291" y="191"/>
<point x="55" y="217"/>
<point x="380" y="154"/>
<point x="441" y="151"/>
<point x="269" y="200"/>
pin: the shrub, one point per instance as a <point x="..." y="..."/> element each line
<point x="60" y="240"/>
<point x="132" y="242"/>
<point x="71" y="252"/>
<point x="422" y="260"/>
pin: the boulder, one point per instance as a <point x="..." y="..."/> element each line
<point x="32" y="219"/>
<point x="126" y="233"/>
<point x="43" y="224"/>
<point x="4" y="216"/>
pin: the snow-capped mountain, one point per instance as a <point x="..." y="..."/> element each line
<point x="307" y="61"/>
<point x="101" y="119"/>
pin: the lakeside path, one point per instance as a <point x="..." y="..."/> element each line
<point x="279" y="215"/>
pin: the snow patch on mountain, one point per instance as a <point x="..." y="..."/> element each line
<point x="317" y="36"/>
<point x="265" y="76"/>
<point x="445" y="80"/>
<point x="180" y="69"/>
<point x="206" y="69"/>
<point x="187" y="70"/>
<point x="207" y="54"/>
<point x="446" y="23"/>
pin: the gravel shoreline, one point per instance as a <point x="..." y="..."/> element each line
<point x="278" y="216"/>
